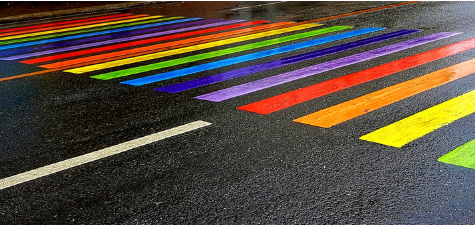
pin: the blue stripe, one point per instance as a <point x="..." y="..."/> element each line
<point x="248" y="57"/>
<point x="94" y="33"/>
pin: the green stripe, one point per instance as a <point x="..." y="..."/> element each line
<point x="86" y="31"/>
<point x="461" y="156"/>
<point x="222" y="52"/>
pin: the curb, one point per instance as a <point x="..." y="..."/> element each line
<point x="101" y="8"/>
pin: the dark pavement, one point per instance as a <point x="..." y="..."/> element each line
<point x="244" y="168"/>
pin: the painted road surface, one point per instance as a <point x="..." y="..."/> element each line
<point x="316" y="113"/>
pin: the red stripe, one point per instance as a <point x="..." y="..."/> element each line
<point x="69" y="25"/>
<point x="64" y="22"/>
<point x="129" y="44"/>
<point x="291" y="98"/>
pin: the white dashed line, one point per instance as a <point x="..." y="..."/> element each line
<point x="83" y="159"/>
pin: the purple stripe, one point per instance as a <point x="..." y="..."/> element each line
<point x="261" y="84"/>
<point x="52" y="51"/>
<point x="105" y="37"/>
<point x="174" y="88"/>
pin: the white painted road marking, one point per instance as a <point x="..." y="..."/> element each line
<point x="83" y="159"/>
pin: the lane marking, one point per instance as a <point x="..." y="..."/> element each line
<point x="105" y="37"/>
<point x="88" y="32"/>
<point x="103" y="153"/>
<point x="222" y="52"/>
<point x="359" y="106"/>
<point x="64" y="22"/>
<point x="81" y="70"/>
<point x="123" y="45"/>
<point x="167" y="46"/>
<point x="291" y="98"/>
<point x="362" y="11"/>
<point x="247" y="7"/>
<point x="202" y="81"/>
<point x="71" y="25"/>
<point x="413" y="127"/>
<point x="78" y="28"/>
<point x="244" y="58"/>
<point x="271" y="81"/>
<point x="28" y="74"/>
<point x="462" y="156"/>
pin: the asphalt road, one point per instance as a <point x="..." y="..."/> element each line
<point x="243" y="167"/>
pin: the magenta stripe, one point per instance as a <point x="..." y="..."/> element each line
<point x="261" y="84"/>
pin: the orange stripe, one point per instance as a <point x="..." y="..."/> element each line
<point x="70" y="25"/>
<point x="62" y="68"/>
<point x="378" y="99"/>
<point x="181" y="43"/>
<point x="67" y="67"/>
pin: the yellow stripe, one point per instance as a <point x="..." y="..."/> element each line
<point x="406" y="130"/>
<point x="85" y="69"/>
<point x="77" y="28"/>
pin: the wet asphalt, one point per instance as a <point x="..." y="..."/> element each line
<point x="245" y="168"/>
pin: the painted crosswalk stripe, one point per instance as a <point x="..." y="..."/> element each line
<point x="264" y="83"/>
<point x="291" y="98"/>
<point x="83" y="31"/>
<point x="178" y="87"/>
<point x="100" y="154"/>
<point x="187" y="49"/>
<point x="359" y="106"/>
<point x="209" y="55"/>
<point x="123" y="45"/>
<point x="170" y="34"/>
<point x="88" y="33"/>
<point x="71" y="26"/>
<point x="462" y="156"/>
<point x="106" y="57"/>
<point x="78" y="28"/>
<point x="105" y="37"/>
<point x="63" y="22"/>
<point x="411" y="128"/>
<point x="185" y="44"/>
<point x="244" y="58"/>
<point x="117" y="57"/>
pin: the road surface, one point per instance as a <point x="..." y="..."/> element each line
<point x="241" y="113"/>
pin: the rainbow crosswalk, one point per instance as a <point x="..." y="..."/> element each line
<point x="101" y="46"/>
